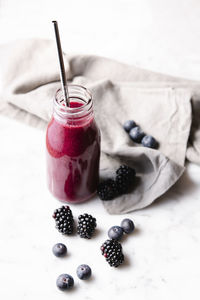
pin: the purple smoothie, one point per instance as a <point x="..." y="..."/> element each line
<point x="73" y="151"/>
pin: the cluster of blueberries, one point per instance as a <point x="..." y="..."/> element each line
<point x="66" y="281"/>
<point x="116" y="232"/>
<point x="138" y="136"/>
<point x="111" y="249"/>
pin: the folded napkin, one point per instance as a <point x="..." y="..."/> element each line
<point x="167" y="108"/>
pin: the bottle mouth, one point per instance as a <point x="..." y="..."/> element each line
<point x="78" y="95"/>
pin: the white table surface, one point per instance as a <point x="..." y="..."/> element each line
<point x="162" y="256"/>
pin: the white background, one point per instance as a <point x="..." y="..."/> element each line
<point x="157" y="34"/>
<point x="163" y="255"/>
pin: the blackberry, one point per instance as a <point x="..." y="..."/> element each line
<point x="112" y="251"/>
<point x="86" y="226"/>
<point x="107" y="190"/>
<point x="64" y="220"/>
<point x="124" y="178"/>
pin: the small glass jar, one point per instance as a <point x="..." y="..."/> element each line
<point x="73" y="147"/>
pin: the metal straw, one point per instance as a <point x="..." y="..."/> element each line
<point x="62" y="66"/>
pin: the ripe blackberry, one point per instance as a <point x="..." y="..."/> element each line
<point x="64" y="220"/>
<point x="112" y="251"/>
<point x="86" y="226"/>
<point x="124" y="178"/>
<point x="107" y="190"/>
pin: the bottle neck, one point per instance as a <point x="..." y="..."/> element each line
<point x="80" y="109"/>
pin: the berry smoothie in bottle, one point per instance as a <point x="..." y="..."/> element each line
<point x="73" y="147"/>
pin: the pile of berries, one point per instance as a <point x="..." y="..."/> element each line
<point x="138" y="136"/>
<point x="111" y="188"/>
<point x="111" y="249"/>
<point x="65" y="222"/>
<point x="66" y="281"/>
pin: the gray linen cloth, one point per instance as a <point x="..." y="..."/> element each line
<point x="167" y="108"/>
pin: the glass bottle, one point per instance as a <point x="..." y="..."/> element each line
<point x="73" y="147"/>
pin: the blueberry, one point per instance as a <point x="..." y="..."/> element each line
<point x="83" y="272"/>
<point x="65" y="282"/>
<point x="59" y="249"/>
<point x="136" y="134"/>
<point x="128" y="125"/>
<point x="115" y="233"/>
<point x="149" y="141"/>
<point x="127" y="225"/>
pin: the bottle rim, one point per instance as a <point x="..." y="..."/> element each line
<point x="76" y="92"/>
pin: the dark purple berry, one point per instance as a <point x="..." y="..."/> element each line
<point x="136" y="134"/>
<point x="86" y="226"/>
<point x="115" y="233"/>
<point x="64" y="220"/>
<point x="125" y="176"/>
<point x="149" y="141"/>
<point x="59" y="249"/>
<point x="127" y="225"/>
<point x="128" y="125"/>
<point x="112" y="251"/>
<point x="107" y="190"/>
<point x="65" y="282"/>
<point x="84" y="272"/>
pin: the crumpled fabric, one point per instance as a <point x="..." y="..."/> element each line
<point x="166" y="107"/>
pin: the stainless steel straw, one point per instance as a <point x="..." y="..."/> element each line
<point x="62" y="66"/>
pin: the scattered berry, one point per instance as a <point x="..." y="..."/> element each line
<point x="115" y="233"/>
<point x="124" y="179"/>
<point x="59" y="249"/>
<point x="84" y="272"/>
<point x="65" y="282"/>
<point x="136" y="134"/>
<point x="64" y="220"/>
<point x="112" y="251"/>
<point x="107" y="190"/>
<point x="86" y="226"/>
<point x="149" y="141"/>
<point x="127" y="225"/>
<point x="128" y="125"/>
